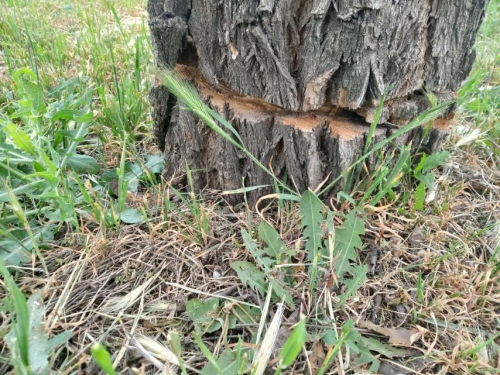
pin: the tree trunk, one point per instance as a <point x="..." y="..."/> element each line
<point x="300" y="80"/>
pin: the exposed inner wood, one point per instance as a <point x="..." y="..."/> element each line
<point x="342" y="123"/>
<point x="300" y="81"/>
<point x="308" y="147"/>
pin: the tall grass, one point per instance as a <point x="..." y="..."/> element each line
<point x="73" y="94"/>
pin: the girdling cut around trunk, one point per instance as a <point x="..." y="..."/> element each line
<point x="301" y="80"/>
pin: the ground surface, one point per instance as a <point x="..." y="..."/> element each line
<point x="434" y="273"/>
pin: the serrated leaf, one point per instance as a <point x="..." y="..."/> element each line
<point x="82" y="164"/>
<point x="311" y="211"/>
<point x="264" y="262"/>
<point x="30" y="93"/>
<point x="20" y="138"/>
<point x="419" y="197"/>
<point x="269" y="235"/>
<point x="359" y="277"/>
<point x="357" y="346"/>
<point x="347" y="240"/>
<point x="281" y="293"/>
<point x="249" y="274"/>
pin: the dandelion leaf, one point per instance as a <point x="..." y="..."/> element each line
<point x="312" y="218"/>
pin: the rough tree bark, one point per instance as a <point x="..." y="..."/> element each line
<point x="301" y="79"/>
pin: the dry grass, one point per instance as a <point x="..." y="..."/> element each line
<point x="438" y="270"/>
<point x="126" y="287"/>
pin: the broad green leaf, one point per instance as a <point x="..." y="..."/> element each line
<point x="84" y="115"/>
<point x="357" y="345"/>
<point x="384" y="349"/>
<point x="226" y="364"/>
<point x="82" y="164"/>
<point x="269" y="235"/>
<point x="57" y="111"/>
<point x="102" y="357"/>
<point x="155" y="163"/>
<point x="73" y="134"/>
<point x="435" y="160"/>
<point x="204" y="315"/>
<point x="30" y="93"/>
<point x="14" y="253"/>
<point x="426" y="178"/>
<point x="421" y="163"/>
<point x="58" y="340"/>
<point x="311" y="211"/>
<point x="21" y="326"/>
<point x="279" y="292"/>
<point x="47" y="176"/>
<point x="131" y="216"/>
<point x="208" y="355"/>
<point x="329" y="337"/>
<point x="294" y="344"/>
<point x="38" y="337"/>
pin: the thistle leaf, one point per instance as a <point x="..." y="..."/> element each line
<point x="312" y="218"/>
<point x="269" y="235"/>
<point x="347" y="240"/>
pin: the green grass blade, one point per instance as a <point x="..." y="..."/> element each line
<point x="22" y="321"/>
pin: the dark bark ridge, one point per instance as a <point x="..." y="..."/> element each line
<point x="301" y="54"/>
<point x="304" y="58"/>
<point x="312" y="148"/>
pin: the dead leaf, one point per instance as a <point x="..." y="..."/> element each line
<point x="317" y="356"/>
<point x="284" y="333"/>
<point x="397" y="336"/>
<point x="375" y="254"/>
<point x="376" y="306"/>
<point x="401" y="367"/>
<point x="416" y="237"/>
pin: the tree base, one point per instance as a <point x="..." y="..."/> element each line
<point x="308" y="149"/>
